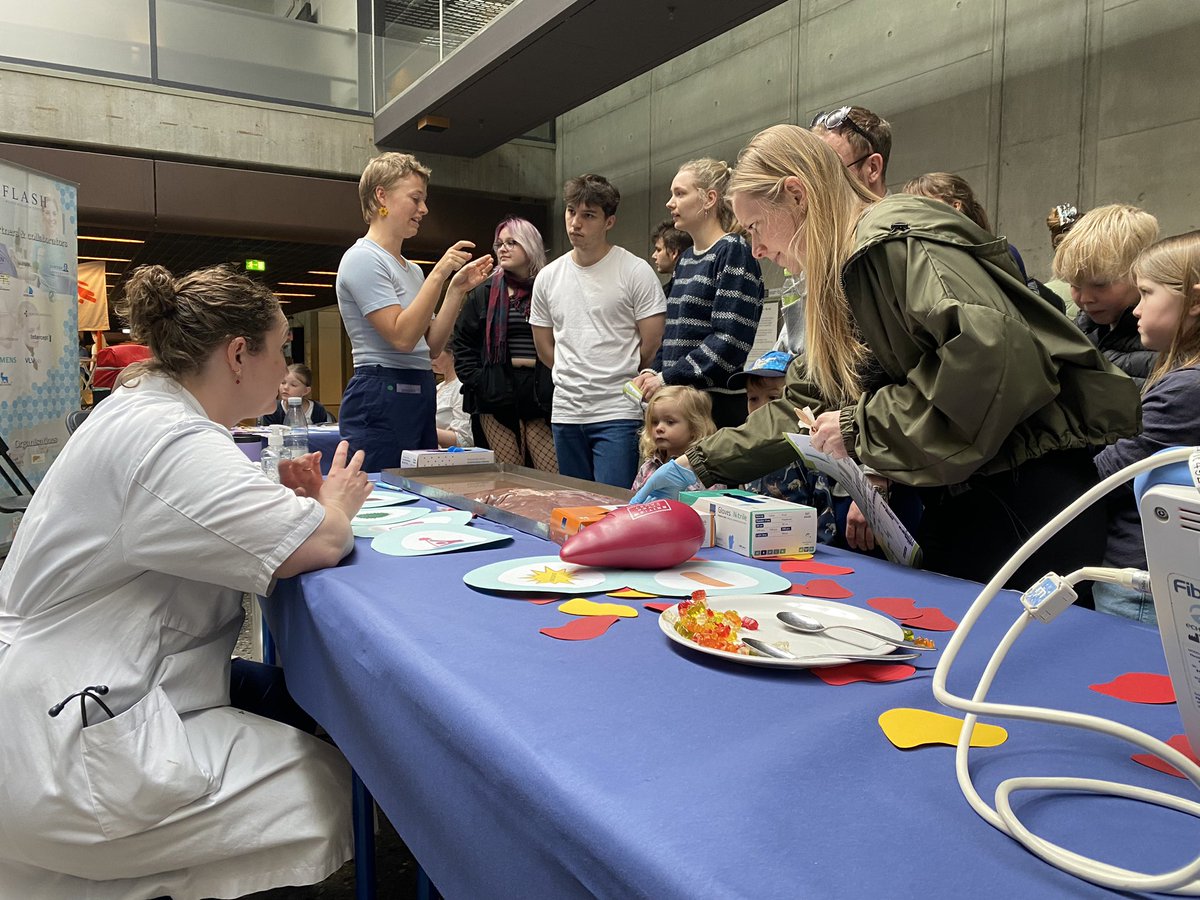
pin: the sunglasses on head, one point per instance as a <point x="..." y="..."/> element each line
<point x="838" y="119"/>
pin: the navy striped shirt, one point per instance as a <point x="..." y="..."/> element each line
<point x="712" y="314"/>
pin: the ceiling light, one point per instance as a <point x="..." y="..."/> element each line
<point x="104" y="259"/>
<point x="93" y="237"/>
<point x="423" y="262"/>
<point x="433" y="123"/>
<point x="315" y="272"/>
<point x="282" y="294"/>
<point x="304" y="284"/>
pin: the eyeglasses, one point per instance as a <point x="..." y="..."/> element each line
<point x="510" y="244"/>
<point x="840" y="118"/>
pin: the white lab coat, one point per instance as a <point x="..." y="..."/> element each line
<point x="128" y="571"/>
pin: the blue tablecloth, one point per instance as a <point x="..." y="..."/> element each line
<point x="514" y="765"/>
<point x="324" y="439"/>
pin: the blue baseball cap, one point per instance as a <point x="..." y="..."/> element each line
<point x="772" y="364"/>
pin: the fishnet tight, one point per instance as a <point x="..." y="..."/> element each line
<point x="534" y="440"/>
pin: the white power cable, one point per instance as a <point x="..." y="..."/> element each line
<point x="1054" y="594"/>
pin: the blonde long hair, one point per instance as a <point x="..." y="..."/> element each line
<point x="1174" y="263"/>
<point x="695" y="407"/>
<point x="834" y="201"/>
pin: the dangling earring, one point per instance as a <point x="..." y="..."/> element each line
<point x="383" y="212"/>
<point x="237" y="377"/>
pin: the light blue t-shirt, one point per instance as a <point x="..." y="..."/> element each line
<point x="369" y="279"/>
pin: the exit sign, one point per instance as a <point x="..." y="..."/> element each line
<point x="256" y="265"/>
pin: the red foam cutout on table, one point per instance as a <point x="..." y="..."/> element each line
<point x="582" y="629"/>
<point x="658" y="607"/>
<point x="927" y="618"/>
<point x="863" y="671"/>
<point x="542" y="601"/>
<point x="812" y="567"/>
<point x="1150" y="761"/>
<point x="823" y="588"/>
<point x="1138" y="687"/>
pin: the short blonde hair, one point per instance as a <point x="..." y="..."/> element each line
<point x="1102" y="246"/>
<point x="694" y="406"/>
<point x="383" y="172"/>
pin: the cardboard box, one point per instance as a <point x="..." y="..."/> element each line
<point x="762" y="527"/>
<point x="567" y="520"/>
<point x="690" y="497"/>
<point x="410" y="459"/>
<point x="704" y="510"/>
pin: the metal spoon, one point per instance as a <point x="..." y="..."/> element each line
<point x="809" y="625"/>
<point x="762" y="648"/>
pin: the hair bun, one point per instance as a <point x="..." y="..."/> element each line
<point x="151" y="294"/>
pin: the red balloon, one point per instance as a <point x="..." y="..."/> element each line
<point x="655" y="535"/>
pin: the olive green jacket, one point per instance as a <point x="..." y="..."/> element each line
<point x="978" y="373"/>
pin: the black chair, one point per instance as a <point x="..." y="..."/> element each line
<point x="75" y="418"/>
<point x="16" y="502"/>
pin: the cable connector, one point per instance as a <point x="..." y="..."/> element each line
<point x="1050" y="596"/>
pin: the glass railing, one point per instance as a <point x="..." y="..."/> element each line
<point x="72" y="35"/>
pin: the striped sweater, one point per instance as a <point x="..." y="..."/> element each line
<point x="712" y="314"/>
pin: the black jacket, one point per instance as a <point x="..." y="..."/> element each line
<point x="1121" y="343"/>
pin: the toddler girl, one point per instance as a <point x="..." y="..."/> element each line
<point x="1168" y="322"/>
<point x="298" y="383"/>
<point x="676" y="417"/>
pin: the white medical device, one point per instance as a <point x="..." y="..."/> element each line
<point x="1169" y="499"/>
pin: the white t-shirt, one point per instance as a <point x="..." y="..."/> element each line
<point x="594" y="311"/>
<point x="450" y="412"/>
<point x="370" y="279"/>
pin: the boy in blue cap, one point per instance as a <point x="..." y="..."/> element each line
<point x="763" y="381"/>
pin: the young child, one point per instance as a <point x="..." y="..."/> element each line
<point x="298" y="383"/>
<point x="676" y="417"/>
<point x="1168" y="320"/>
<point x="1095" y="259"/>
<point x="763" y="380"/>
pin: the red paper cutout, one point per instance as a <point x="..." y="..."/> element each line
<point x="812" y="567"/>
<point x="927" y="618"/>
<point x="823" y="588"/>
<point x="582" y="629"/>
<point x="658" y="607"/>
<point x="1138" y="687"/>
<point x="542" y="601"/>
<point x="863" y="671"/>
<point x="1150" y="761"/>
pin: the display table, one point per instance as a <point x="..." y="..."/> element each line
<point x="320" y="437"/>
<point x="515" y="765"/>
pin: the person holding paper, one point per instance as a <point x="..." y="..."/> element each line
<point x="929" y="359"/>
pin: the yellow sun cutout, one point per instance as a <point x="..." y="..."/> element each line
<point x="551" y="576"/>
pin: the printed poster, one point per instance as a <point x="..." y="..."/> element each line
<point x="39" y="345"/>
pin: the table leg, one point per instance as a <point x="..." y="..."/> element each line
<point x="363" y="813"/>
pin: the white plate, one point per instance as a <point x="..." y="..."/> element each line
<point x="384" y="497"/>
<point x="817" y="649"/>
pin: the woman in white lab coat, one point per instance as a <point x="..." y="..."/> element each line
<point x="127" y="573"/>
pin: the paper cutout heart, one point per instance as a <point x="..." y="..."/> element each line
<point x="581" y="629"/>
<point x="812" y="567"/>
<point x="581" y="606"/>
<point x="1138" y="687"/>
<point x="908" y="728"/>
<point x="823" y="588"/>
<point x="863" y="671"/>
<point x="658" y="607"/>
<point x="928" y="618"/>
<point x="630" y="594"/>
<point x="656" y="535"/>
<point x="1150" y="761"/>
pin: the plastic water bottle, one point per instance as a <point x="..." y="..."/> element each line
<point x="790" y="292"/>
<point x="272" y="453"/>
<point x="295" y="438"/>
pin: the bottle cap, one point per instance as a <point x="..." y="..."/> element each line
<point x="275" y="438"/>
<point x="293" y="401"/>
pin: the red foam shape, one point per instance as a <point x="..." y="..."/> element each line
<point x="863" y="671"/>
<point x="812" y="567"/>
<point x="582" y="629"/>
<point x="823" y="588"/>
<point x="658" y="607"/>
<point x="1150" y="761"/>
<point x="1138" y="687"/>
<point x="542" y="601"/>
<point x="930" y="619"/>
<point x="656" y="535"/>
<point x="896" y="607"/>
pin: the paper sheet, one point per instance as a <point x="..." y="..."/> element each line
<point x="898" y="545"/>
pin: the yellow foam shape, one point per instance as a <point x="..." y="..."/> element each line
<point x="795" y="556"/>
<point x="581" y="606"/>
<point x="631" y="594"/>
<point x="907" y="728"/>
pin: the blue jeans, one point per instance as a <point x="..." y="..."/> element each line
<point x="606" y="452"/>
<point x="1126" y="602"/>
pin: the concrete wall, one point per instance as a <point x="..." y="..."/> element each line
<point x="1035" y="102"/>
